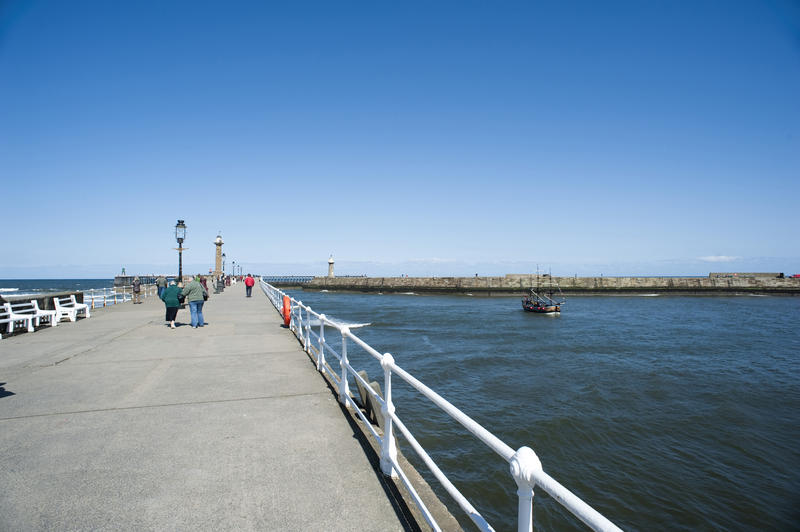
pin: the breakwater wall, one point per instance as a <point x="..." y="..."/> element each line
<point x="518" y="284"/>
<point x="45" y="301"/>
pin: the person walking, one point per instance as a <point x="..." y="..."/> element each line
<point x="170" y="297"/>
<point x="248" y="284"/>
<point x="161" y="283"/>
<point x="137" y="287"/>
<point x="195" y="296"/>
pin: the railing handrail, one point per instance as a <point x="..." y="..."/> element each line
<point x="525" y="466"/>
<point x="117" y="294"/>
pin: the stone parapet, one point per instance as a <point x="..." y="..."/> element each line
<point x="517" y="284"/>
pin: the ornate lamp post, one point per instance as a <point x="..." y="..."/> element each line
<point x="218" y="264"/>
<point x="223" y="264"/>
<point x="180" y="236"/>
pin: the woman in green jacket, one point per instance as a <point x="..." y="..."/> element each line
<point x="195" y="296"/>
<point x="170" y="299"/>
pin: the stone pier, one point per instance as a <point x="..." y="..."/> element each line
<point x="117" y="422"/>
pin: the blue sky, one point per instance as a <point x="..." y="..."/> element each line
<point x="430" y="138"/>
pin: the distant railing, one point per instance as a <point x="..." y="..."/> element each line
<point x="286" y="279"/>
<point x="525" y="467"/>
<point x="105" y="297"/>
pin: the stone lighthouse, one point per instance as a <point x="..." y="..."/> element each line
<point x="218" y="265"/>
<point x="330" y="267"/>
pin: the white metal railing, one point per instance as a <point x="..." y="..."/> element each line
<point x="525" y="467"/>
<point x="104" y="297"/>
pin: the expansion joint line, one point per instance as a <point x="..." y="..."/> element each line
<point x="95" y="346"/>
<point x="165" y="405"/>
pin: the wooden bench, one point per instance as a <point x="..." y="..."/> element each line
<point x="69" y="307"/>
<point x="23" y="310"/>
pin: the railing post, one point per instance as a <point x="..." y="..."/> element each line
<point x="344" y="385"/>
<point x="524" y="464"/>
<point x="388" y="447"/>
<point x="321" y="354"/>
<point x="307" y="339"/>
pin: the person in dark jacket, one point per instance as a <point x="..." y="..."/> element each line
<point x="161" y="283"/>
<point x="170" y="299"/>
<point x="137" y="287"/>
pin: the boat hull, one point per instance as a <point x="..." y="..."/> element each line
<point x="537" y="309"/>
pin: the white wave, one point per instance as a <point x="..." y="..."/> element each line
<point x="9" y="290"/>
<point x="339" y="323"/>
<point x="17" y="295"/>
<point x="322" y="291"/>
<point x="351" y="325"/>
<point x="649" y="295"/>
<point x="407" y="294"/>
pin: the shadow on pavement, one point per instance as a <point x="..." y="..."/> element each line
<point x="4" y="392"/>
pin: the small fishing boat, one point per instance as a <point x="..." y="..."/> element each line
<point x="540" y="303"/>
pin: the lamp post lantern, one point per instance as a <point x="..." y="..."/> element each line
<point x="180" y="236"/>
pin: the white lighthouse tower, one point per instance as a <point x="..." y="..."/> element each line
<point x="330" y="267"/>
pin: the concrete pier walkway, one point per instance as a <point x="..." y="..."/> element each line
<point x="118" y="422"/>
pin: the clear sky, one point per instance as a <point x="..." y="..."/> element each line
<point x="430" y="138"/>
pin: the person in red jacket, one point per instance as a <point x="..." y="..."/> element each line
<point x="248" y="283"/>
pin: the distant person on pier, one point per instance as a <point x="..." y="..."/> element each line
<point x="195" y="296"/>
<point x="161" y="283"/>
<point x="170" y="298"/>
<point x="248" y="284"/>
<point x="137" y="288"/>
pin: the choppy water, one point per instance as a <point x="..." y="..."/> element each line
<point x="663" y="413"/>
<point x="34" y="287"/>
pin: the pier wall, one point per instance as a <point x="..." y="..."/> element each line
<point x="518" y="284"/>
<point x="45" y="301"/>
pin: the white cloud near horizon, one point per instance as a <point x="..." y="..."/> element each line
<point x="719" y="258"/>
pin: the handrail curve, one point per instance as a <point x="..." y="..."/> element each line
<point x="524" y="466"/>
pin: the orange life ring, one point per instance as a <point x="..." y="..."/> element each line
<point x="287" y="310"/>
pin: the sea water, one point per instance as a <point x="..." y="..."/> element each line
<point x="37" y="287"/>
<point x="663" y="413"/>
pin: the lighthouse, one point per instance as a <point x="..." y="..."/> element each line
<point x="330" y="267"/>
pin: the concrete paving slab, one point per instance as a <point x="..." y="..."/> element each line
<point x="118" y="422"/>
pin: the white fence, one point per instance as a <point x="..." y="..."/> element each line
<point x="525" y="467"/>
<point x="104" y="297"/>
